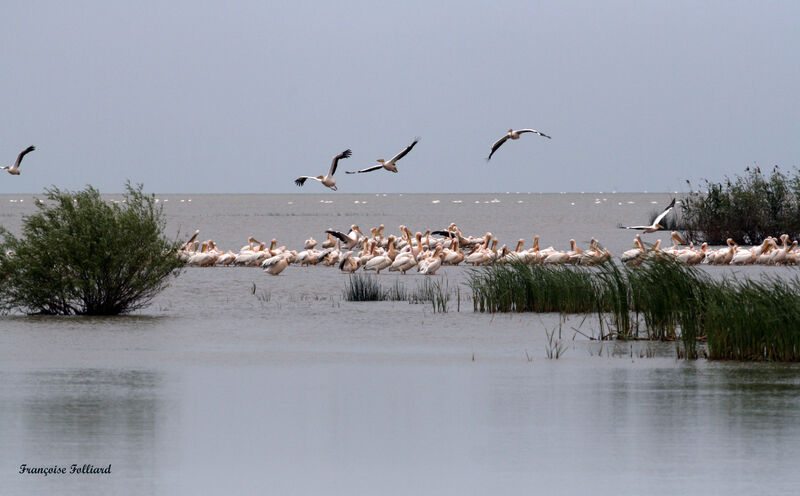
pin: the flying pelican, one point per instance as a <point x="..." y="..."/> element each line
<point x="14" y="169"/>
<point x="326" y="180"/>
<point x="655" y="226"/>
<point x="513" y="135"/>
<point x="390" y="165"/>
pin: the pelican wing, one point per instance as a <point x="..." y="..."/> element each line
<point x="22" y="154"/>
<point x="533" y="131"/>
<point x="344" y="154"/>
<point x="444" y="233"/>
<point x="665" y="212"/>
<point x="497" y="144"/>
<point x="340" y="236"/>
<point x="271" y="261"/>
<point x="404" y="152"/>
<point x="302" y="180"/>
<point x="642" y="228"/>
<point x="323" y="254"/>
<point x="368" y="169"/>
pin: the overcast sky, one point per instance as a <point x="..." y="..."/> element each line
<point x="196" y="96"/>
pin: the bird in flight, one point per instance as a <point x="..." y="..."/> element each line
<point x="14" y="169"/>
<point x="390" y="165"/>
<point x="513" y="135"/>
<point x="655" y="226"/>
<point x="326" y="180"/>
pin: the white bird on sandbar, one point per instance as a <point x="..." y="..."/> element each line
<point x="14" y="169"/>
<point x="655" y="226"/>
<point x="391" y="164"/>
<point x="326" y="180"/>
<point x="513" y="135"/>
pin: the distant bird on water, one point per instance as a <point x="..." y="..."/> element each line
<point x="513" y="135"/>
<point x="655" y="226"/>
<point x="390" y="165"/>
<point x="14" y="169"/>
<point x="326" y="180"/>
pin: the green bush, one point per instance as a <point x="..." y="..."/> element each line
<point x="80" y="255"/>
<point x="747" y="208"/>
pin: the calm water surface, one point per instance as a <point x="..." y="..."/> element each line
<point x="223" y="387"/>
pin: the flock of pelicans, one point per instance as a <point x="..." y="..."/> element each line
<point x="391" y="164"/>
<point x="429" y="251"/>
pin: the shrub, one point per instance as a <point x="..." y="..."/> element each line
<point x="747" y="208"/>
<point x="80" y="255"/>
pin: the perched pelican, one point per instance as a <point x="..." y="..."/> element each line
<point x="326" y="180"/>
<point x="275" y="265"/>
<point x="636" y="255"/>
<point x="191" y="245"/>
<point x="391" y="164"/>
<point x="328" y="243"/>
<point x="513" y="135"/>
<point x="655" y="226"/>
<point x="14" y="169"/>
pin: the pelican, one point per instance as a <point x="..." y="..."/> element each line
<point x="655" y="226"/>
<point x="349" y="240"/>
<point x="191" y="245"/>
<point x="513" y="135"/>
<point x="326" y="180"/>
<point x="275" y="265"/>
<point x="636" y="255"/>
<point x="14" y="169"/>
<point x="391" y="164"/>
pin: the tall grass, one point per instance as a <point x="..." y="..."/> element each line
<point x="750" y="320"/>
<point x="364" y="287"/>
<point x="746" y="208"/>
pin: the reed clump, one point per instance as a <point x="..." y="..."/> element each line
<point x="745" y="208"/>
<point x="660" y="300"/>
<point x="364" y="287"/>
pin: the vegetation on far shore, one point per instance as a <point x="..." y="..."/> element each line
<point x="80" y="255"/>
<point x="661" y="300"/>
<point x="745" y="208"/>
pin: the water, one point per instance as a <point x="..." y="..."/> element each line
<point x="215" y="389"/>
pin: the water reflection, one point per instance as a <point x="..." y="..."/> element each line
<point x="81" y="416"/>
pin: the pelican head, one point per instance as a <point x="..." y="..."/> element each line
<point x="381" y="160"/>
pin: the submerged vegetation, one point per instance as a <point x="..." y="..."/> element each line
<point x="80" y="255"/>
<point x="746" y="208"/>
<point x="662" y="300"/>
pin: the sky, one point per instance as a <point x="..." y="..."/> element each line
<point x="242" y="97"/>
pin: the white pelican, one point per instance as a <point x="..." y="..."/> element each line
<point x="513" y="135"/>
<point x="391" y="164"/>
<point x="326" y="180"/>
<point x="14" y="169"/>
<point x="430" y="265"/>
<point x="636" y="255"/>
<point x="655" y="226"/>
<point x="328" y="243"/>
<point x="191" y="245"/>
<point x="275" y="265"/>
<point x="348" y="262"/>
<point x="349" y="240"/>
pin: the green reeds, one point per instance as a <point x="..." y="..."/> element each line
<point x="516" y="287"/>
<point x="749" y="320"/>
<point x="755" y="320"/>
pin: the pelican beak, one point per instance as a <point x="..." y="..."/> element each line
<point x="659" y="226"/>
